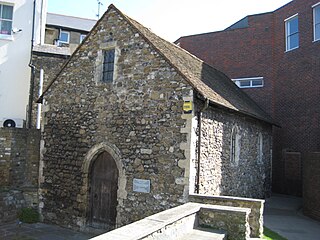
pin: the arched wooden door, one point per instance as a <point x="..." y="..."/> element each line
<point x="103" y="192"/>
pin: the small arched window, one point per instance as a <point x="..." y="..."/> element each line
<point x="235" y="147"/>
<point x="260" y="148"/>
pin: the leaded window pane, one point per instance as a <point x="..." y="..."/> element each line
<point x="108" y="65"/>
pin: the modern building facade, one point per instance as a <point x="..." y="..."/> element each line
<point x="274" y="57"/>
<point x="21" y="26"/>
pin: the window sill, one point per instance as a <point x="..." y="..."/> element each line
<point x="289" y="50"/>
<point x="6" y="37"/>
<point x="260" y="86"/>
<point x="317" y="40"/>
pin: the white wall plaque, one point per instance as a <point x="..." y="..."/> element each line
<point x="141" y="185"/>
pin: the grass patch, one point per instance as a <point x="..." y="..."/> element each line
<point x="28" y="215"/>
<point x="271" y="235"/>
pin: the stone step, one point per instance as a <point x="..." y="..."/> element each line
<point x="204" y="234"/>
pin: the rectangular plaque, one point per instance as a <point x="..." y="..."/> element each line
<point x="141" y="185"/>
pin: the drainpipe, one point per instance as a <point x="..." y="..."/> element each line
<point x="33" y="69"/>
<point x="39" y="104"/>
<point x="206" y="104"/>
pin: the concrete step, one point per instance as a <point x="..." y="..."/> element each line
<point x="204" y="234"/>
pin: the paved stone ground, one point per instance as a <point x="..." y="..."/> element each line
<point x="39" y="231"/>
<point x="283" y="214"/>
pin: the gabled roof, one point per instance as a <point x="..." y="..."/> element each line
<point x="206" y="80"/>
<point x="70" y="22"/>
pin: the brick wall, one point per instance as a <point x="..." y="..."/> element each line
<point x="311" y="185"/>
<point x="291" y="90"/>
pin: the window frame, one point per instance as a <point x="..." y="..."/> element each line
<point x="317" y="5"/>
<point x="234" y="147"/>
<point x="82" y="37"/>
<point x="238" y="81"/>
<point x="287" y="36"/>
<point x="8" y="36"/>
<point x="105" y="66"/>
<point x="64" y="42"/>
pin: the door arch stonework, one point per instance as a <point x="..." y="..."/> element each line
<point x="83" y="197"/>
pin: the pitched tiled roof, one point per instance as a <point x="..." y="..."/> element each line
<point x="206" y="80"/>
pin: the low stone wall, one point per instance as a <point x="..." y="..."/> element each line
<point x="10" y="202"/>
<point x="176" y="222"/>
<point x="230" y="219"/>
<point x="256" y="206"/>
<point x="19" y="157"/>
<point x="19" y="167"/>
<point x="311" y="185"/>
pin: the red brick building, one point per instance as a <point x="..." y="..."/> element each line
<point x="275" y="58"/>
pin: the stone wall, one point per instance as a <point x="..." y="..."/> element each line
<point x="19" y="157"/>
<point x="51" y="64"/>
<point x="311" y="185"/>
<point x="19" y="167"/>
<point x="256" y="206"/>
<point x="137" y="119"/>
<point x="250" y="175"/>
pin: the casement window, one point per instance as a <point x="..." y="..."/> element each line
<point x="316" y="22"/>
<point x="82" y="36"/>
<point x="6" y="17"/>
<point x="260" y="148"/>
<point x="292" y="32"/>
<point x="251" y="82"/>
<point x="108" y="65"/>
<point x="64" y="37"/>
<point x="235" y="147"/>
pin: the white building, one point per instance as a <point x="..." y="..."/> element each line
<point x="22" y="23"/>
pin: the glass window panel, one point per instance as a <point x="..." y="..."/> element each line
<point x="82" y="37"/>
<point x="6" y="27"/>
<point x="317" y="32"/>
<point x="245" y="83"/>
<point x="108" y="65"/>
<point x="293" y="26"/>
<point x="64" y="37"/>
<point x="293" y="41"/>
<point x="7" y="12"/>
<point x="257" y="82"/>
<point x="317" y="15"/>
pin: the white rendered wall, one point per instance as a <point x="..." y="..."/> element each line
<point x="15" y="56"/>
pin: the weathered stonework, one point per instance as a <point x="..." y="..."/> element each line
<point x="138" y="119"/>
<point x="50" y="59"/>
<point x="143" y="122"/>
<point x="250" y="175"/>
<point x="19" y="165"/>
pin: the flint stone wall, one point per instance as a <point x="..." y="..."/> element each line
<point x="251" y="176"/>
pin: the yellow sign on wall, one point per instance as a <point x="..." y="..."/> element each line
<point x="187" y="107"/>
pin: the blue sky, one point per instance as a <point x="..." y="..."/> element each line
<point x="171" y="19"/>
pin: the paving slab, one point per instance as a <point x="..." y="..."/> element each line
<point x="40" y="231"/>
<point x="283" y="214"/>
<point x="204" y="234"/>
